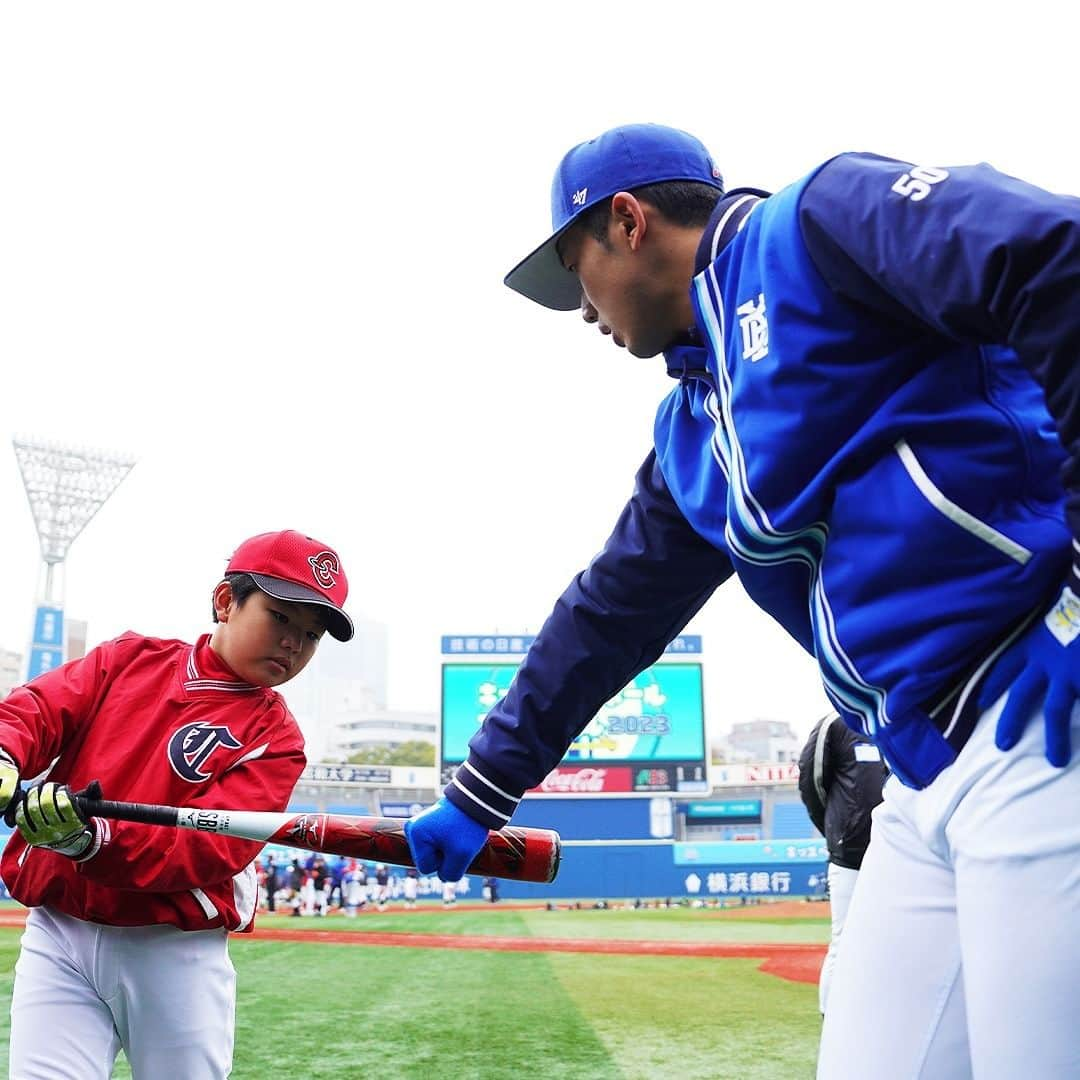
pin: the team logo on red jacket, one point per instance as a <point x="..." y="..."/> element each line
<point x="191" y="746"/>
<point x="326" y="567"/>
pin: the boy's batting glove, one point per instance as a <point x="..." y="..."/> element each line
<point x="444" y="840"/>
<point x="9" y="786"/>
<point x="47" y="818"/>
<point x="1040" y="669"/>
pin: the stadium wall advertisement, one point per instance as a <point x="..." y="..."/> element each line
<point x="628" y="856"/>
<point x="622" y="872"/>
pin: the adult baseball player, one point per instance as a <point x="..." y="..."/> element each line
<point x="870" y="367"/>
<point x="126" y="939"/>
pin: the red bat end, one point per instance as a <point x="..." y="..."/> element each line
<point x="520" y="854"/>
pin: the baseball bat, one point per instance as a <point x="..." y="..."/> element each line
<point x="521" y="854"/>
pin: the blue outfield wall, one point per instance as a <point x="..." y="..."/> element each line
<point x="791" y="821"/>
<point x="587" y="819"/>
<point x="625" y="871"/>
<point x="710" y="870"/>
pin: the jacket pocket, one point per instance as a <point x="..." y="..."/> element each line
<point x="957" y="514"/>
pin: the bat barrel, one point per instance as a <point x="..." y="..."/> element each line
<point x="521" y="854"/>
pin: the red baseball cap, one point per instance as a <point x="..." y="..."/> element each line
<point x="291" y="566"/>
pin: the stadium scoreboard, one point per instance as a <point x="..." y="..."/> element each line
<point x="647" y="739"/>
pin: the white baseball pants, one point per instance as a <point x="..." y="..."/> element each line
<point x="83" y="990"/>
<point x="841" y="885"/>
<point x="961" y="951"/>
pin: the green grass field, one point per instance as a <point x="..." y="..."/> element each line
<point x="339" y="1010"/>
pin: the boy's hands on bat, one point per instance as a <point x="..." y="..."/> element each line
<point x="9" y="786"/>
<point x="47" y="818"/>
<point x="444" y="840"/>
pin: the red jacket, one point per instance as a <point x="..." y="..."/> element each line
<point x="158" y="722"/>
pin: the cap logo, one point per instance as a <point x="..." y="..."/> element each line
<point x="325" y="566"/>
<point x="579" y="197"/>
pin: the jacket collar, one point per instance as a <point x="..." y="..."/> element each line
<point x="205" y="670"/>
<point x="727" y="219"/>
<point x="731" y="212"/>
<point x="686" y="358"/>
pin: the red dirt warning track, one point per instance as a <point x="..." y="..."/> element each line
<point x="797" y="963"/>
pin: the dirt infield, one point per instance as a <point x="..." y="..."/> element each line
<point x="777" y="909"/>
<point x="797" y="963"/>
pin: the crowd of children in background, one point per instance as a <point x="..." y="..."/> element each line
<point x="317" y="885"/>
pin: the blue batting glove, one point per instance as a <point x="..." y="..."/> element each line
<point x="1040" y="670"/>
<point x="444" y="840"/>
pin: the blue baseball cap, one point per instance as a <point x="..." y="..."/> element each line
<point x="621" y="159"/>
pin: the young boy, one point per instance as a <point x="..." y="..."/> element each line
<point x="409" y="887"/>
<point x="126" y="938"/>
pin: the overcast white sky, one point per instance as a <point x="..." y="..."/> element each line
<point x="261" y="246"/>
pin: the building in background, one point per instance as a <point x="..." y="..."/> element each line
<point x="759" y="740"/>
<point x="11" y="665"/>
<point x="379" y="728"/>
<point x="75" y="638"/>
<point x="339" y="700"/>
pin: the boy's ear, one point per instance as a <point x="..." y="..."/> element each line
<point x="223" y="599"/>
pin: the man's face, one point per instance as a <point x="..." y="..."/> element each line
<point x="621" y="292"/>
<point x="266" y="641"/>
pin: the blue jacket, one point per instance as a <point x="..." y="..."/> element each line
<point x="864" y="431"/>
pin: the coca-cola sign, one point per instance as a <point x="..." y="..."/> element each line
<point x="585" y="780"/>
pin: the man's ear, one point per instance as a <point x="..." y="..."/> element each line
<point x="629" y="217"/>
<point x="223" y="600"/>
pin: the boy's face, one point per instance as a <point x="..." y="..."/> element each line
<point x="265" y="641"/>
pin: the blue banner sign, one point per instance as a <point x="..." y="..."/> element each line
<point x="791" y="880"/>
<point x="753" y="852"/>
<point x="47" y="647"/>
<point x="749" y="809"/>
<point x="49" y="626"/>
<point x="517" y="644"/>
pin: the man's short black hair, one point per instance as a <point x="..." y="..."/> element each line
<point x="243" y="585"/>
<point x="682" y="202"/>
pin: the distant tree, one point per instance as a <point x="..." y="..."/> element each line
<point x="414" y="752"/>
<point x="375" y="755"/>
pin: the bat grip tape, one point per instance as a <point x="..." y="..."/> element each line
<point x="125" y="811"/>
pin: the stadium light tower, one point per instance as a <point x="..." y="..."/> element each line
<point x="66" y="486"/>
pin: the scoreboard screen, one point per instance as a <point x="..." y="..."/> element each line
<point x="648" y="737"/>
